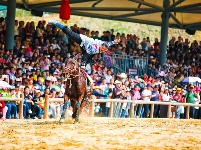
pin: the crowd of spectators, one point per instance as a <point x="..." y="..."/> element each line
<point x="36" y="67"/>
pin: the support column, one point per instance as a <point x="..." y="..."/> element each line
<point x="10" y="24"/>
<point x="164" y="32"/>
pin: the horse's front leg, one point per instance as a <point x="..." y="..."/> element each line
<point x="65" y="106"/>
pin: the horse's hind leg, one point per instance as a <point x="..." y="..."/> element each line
<point x="64" y="108"/>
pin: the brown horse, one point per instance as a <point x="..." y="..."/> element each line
<point x="76" y="89"/>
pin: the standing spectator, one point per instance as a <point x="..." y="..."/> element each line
<point x="154" y="97"/>
<point x="190" y="98"/>
<point x="3" y="110"/>
<point x="146" y="96"/>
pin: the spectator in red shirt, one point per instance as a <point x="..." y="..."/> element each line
<point x="3" y="110"/>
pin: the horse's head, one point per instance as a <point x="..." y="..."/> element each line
<point x="72" y="67"/>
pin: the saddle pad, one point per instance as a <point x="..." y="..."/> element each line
<point x="84" y="73"/>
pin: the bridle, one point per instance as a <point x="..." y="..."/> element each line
<point x="70" y="72"/>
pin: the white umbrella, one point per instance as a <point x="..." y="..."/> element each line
<point x="197" y="79"/>
<point x="190" y="80"/>
<point x="4" y="84"/>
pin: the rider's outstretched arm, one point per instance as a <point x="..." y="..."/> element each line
<point x="74" y="36"/>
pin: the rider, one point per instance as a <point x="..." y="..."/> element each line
<point x="89" y="45"/>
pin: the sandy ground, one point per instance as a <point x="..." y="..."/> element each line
<point x="101" y="133"/>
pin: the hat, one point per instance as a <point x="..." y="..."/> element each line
<point x="48" y="79"/>
<point x="166" y="88"/>
<point x="18" y="80"/>
<point x="191" y="86"/>
<point x="16" y="85"/>
<point x="96" y="87"/>
<point x="174" y="89"/>
<point x="178" y="89"/>
<point x="151" y="57"/>
<point x="53" y="89"/>
<point x="123" y="75"/>
<point x="117" y="82"/>
<point x="149" y="85"/>
<point x="162" y="82"/>
<point x="38" y="91"/>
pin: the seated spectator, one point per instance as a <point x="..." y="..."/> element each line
<point x="27" y="99"/>
<point x="12" y="108"/>
<point x="37" y="111"/>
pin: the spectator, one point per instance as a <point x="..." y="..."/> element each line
<point x="3" y="110"/>
<point x="190" y="98"/>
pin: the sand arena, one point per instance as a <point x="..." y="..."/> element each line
<point x="101" y="133"/>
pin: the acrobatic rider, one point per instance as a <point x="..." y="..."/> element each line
<point x="89" y="45"/>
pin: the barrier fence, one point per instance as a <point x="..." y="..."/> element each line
<point x="15" y="100"/>
<point x="140" y="102"/>
<point x="112" y="102"/>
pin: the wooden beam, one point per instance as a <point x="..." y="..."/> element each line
<point x="55" y="3"/>
<point x="96" y="3"/>
<point x="26" y="6"/>
<point x="175" y="4"/>
<point x="176" y="20"/>
<point x="139" y="5"/>
<point x="186" y="7"/>
<point x="56" y="9"/>
<point x="134" y="14"/>
<point x="148" y="4"/>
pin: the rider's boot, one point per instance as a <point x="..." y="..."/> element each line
<point x="83" y="64"/>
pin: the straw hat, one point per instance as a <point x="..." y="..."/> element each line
<point x="117" y="82"/>
<point x="123" y="75"/>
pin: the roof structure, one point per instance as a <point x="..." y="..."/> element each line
<point x="184" y="14"/>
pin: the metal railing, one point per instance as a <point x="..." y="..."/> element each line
<point x="121" y="63"/>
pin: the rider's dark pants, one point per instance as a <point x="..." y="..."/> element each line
<point x="76" y="37"/>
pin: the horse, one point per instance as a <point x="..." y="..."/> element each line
<point x="76" y="89"/>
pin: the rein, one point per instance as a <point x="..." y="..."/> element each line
<point x="70" y="75"/>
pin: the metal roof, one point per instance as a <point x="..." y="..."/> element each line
<point x="184" y="14"/>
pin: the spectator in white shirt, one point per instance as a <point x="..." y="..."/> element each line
<point x="55" y="45"/>
<point x="166" y="95"/>
<point x="108" y="76"/>
<point x="146" y="96"/>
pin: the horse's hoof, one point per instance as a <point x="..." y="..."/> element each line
<point x="75" y="122"/>
<point x="61" y="120"/>
<point x="73" y="116"/>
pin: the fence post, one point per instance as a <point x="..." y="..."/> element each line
<point x="46" y="107"/>
<point x="152" y="111"/>
<point x="132" y="110"/>
<point x="169" y="111"/>
<point x="91" y="108"/>
<point x="111" y="109"/>
<point x="21" y="106"/>
<point x="187" y="112"/>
